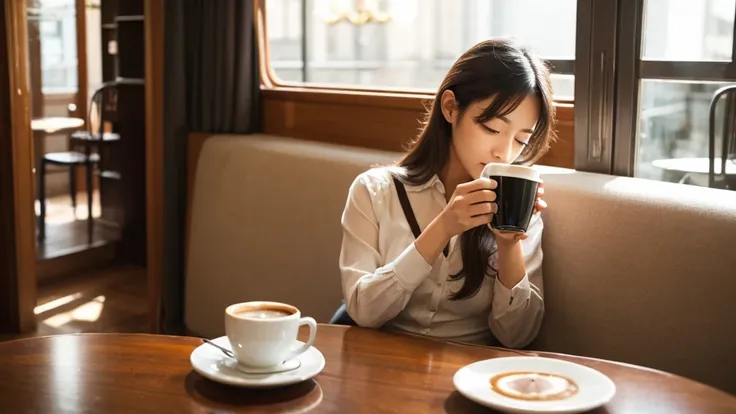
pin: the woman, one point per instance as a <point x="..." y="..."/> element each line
<point x="456" y="278"/>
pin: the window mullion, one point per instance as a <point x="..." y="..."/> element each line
<point x="626" y="123"/>
<point x="305" y="37"/>
<point x="731" y="70"/>
<point x="733" y="39"/>
<point x="694" y="71"/>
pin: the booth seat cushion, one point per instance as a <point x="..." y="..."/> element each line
<point x="634" y="270"/>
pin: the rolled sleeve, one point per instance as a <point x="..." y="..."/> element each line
<point x="507" y="300"/>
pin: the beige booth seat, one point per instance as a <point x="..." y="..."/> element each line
<point x="635" y="270"/>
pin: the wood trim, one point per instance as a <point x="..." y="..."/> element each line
<point x="80" y="98"/>
<point x="17" y="230"/>
<point x="154" y="28"/>
<point x="71" y="263"/>
<point x="377" y="120"/>
<point x="562" y="152"/>
<point x="82" y="81"/>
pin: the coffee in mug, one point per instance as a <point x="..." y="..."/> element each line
<point x="263" y="334"/>
<point x="516" y="195"/>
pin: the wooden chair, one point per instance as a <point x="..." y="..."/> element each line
<point x="72" y="159"/>
<point x="727" y="157"/>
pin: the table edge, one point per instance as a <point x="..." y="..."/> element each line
<point x="547" y="354"/>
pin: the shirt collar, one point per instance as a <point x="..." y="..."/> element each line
<point x="433" y="182"/>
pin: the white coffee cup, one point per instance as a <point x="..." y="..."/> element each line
<point x="262" y="334"/>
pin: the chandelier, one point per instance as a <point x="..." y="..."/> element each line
<point x="366" y="11"/>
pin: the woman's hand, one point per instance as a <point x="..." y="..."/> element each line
<point x="471" y="205"/>
<point x="512" y="236"/>
<point x="540" y="205"/>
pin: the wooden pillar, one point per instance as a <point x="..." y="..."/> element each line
<point x="17" y="217"/>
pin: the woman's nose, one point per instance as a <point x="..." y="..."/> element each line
<point x="502" y="152"/>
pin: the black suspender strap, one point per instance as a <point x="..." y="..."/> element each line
<point x="406" y="206"/>
<point x="409" y="212"/>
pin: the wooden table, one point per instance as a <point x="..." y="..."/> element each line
<point x="696" y="169"/>
<point x="55" y="124"/>
<point x="51" y="125"/>
<point x="367" y="371"/>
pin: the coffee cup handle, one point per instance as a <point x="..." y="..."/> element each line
<point x="312" y="335"/>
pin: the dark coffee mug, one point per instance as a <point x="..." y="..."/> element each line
<point x="516" y="195"/>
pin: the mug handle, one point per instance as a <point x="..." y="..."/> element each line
<point x="312" y="334"/>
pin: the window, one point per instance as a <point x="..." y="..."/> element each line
<point x="409" y="44"/>
<point x="685" y="30"/>
<point x="686" y="55"/>
<point x="57" y="32"/>
<point x="641" y="73"/>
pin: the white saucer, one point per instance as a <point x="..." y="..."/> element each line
<point x="211" y="363"/>
<point x="289" y="365"/>
<point x="594" y="388"/>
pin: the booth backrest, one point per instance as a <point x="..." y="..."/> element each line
<point x="636" y="271"/>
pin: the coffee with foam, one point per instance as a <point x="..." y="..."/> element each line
<point x="533" y="386"/>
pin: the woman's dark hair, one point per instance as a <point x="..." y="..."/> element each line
<point x="496" y="68"/>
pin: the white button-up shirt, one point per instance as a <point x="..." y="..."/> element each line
<point x="387" y="283"/>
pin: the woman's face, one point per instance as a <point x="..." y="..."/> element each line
<point x="499" y="140"/>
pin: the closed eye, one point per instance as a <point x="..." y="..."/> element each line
<point x="495" y="132"/>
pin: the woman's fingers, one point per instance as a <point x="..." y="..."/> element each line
<point x="476" y="185"/>
<point x="482" y="208"/>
